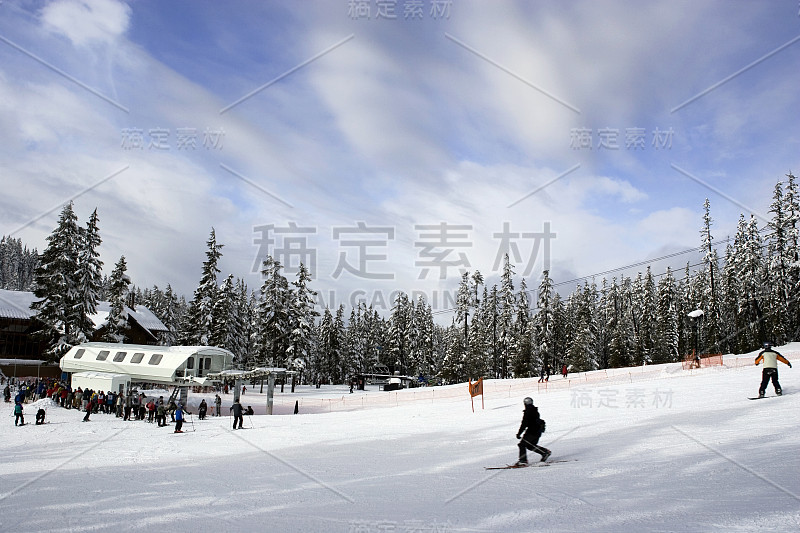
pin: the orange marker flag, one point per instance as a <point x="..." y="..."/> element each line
<point x="476" y="389"/>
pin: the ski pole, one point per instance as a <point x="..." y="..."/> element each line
<point x="191" y="419"/>
<point x="251" y="421"/>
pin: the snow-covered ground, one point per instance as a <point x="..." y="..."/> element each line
<point x="653" y="449"/>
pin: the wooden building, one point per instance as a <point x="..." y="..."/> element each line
<point x="18" y="324"/>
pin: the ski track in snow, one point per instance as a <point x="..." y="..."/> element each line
<point x="708" y="459"/>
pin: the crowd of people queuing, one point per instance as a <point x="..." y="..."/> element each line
<point x="131" y="406"/>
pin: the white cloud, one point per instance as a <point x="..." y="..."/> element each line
<point x="621" y="189"/>
<point x="87" y="22"/>
<point x="677" y="226"/>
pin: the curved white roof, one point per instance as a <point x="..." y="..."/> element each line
<point x="158" y="364"/>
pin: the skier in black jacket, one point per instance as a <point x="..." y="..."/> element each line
<point x="237" y="413"/>
<point x="532" y="426"/>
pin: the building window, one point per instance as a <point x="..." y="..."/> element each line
<point x="155" y="359"/>
<point x="137" y="357"/>
<point x="208" y="363"/>
<point x="120" y="356"/>
<point x="190" y="363"/>
<point x="103" y="355"/>
<point x="79" y="353"/>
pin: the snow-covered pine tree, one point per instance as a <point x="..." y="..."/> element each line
<point x="778" y="268"/>
<point x="354" y="343"/>
<point x="244" y="311"/>
<point x="341" y="370"/>
<point x="491" y="319"/>
<point x="791" y="215"/>
<point x="522" y="363"/>
<point x="272" y="327"/>
<point x="223" y="324"/>
<point x="667" y="321"/>
<point x="464" y="302"/>
<point x="170" y="314"/>
<point x="17" y="265"/>
<point x="423" y="317"/>
<point x="602" y="321"/>
<point x="644" y="309"/>
<point x="301" y="317"/>
<point x="478" y="360"/>
<point x="89" y="279"/>
<point x="708" y="283"/>
<point x="116" y="324"/>
<point x="754" y="289"/>
<point x="56" y="286"/>
<point x="399" y="332"/>
<point x="506" y="314"/>
<point x="452" y="369"/>
<point x="544" y="322"/>
<point x="198" y="324"/>
<point x="326" y="365"/>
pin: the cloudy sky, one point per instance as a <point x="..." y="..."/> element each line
<point x="392" y="144"/>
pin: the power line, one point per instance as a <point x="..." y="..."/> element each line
<point x="633" y="265"/>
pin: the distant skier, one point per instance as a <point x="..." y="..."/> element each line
<point x="161" y="415"/>
<point x="19" y="417"/>
<point x="89" y="407"/>
<point x="218" y="404"/>
<point x="201" y="411"/>
<point x="178" y="418"/>
<point x="40" y="414"/>
<point x="237" y="413"/>
<point x="533" y="426"/>
<point x="564" y="370"/>
<point x="770" y="358"/>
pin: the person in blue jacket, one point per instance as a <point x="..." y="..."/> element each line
<point x="178" y="418"/>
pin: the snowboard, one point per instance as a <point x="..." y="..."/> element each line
<point x="529" y="465"/>
<point x="765" y="397"/>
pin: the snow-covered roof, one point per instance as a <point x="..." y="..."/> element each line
<point x="17" y="304"/>
<point x="147" y="319"/>
<point x="159" y="364"/>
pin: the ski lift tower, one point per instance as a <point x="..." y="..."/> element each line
<point x="695" y="316"/>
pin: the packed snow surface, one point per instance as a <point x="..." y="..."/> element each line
<point x="656" y="448"/>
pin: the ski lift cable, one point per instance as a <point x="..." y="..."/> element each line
<point x="633" y="265"/>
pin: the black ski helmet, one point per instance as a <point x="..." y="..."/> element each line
<point x="767" y="345"/>
<point x="528" y="401"/>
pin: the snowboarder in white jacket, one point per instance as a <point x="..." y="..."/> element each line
<point x="770" y="358"/>
<point x="533" y="427"/>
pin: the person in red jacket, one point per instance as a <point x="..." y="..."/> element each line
<point x="770" y="358"/>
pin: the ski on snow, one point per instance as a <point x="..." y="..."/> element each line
<point x="532" y="465"/>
